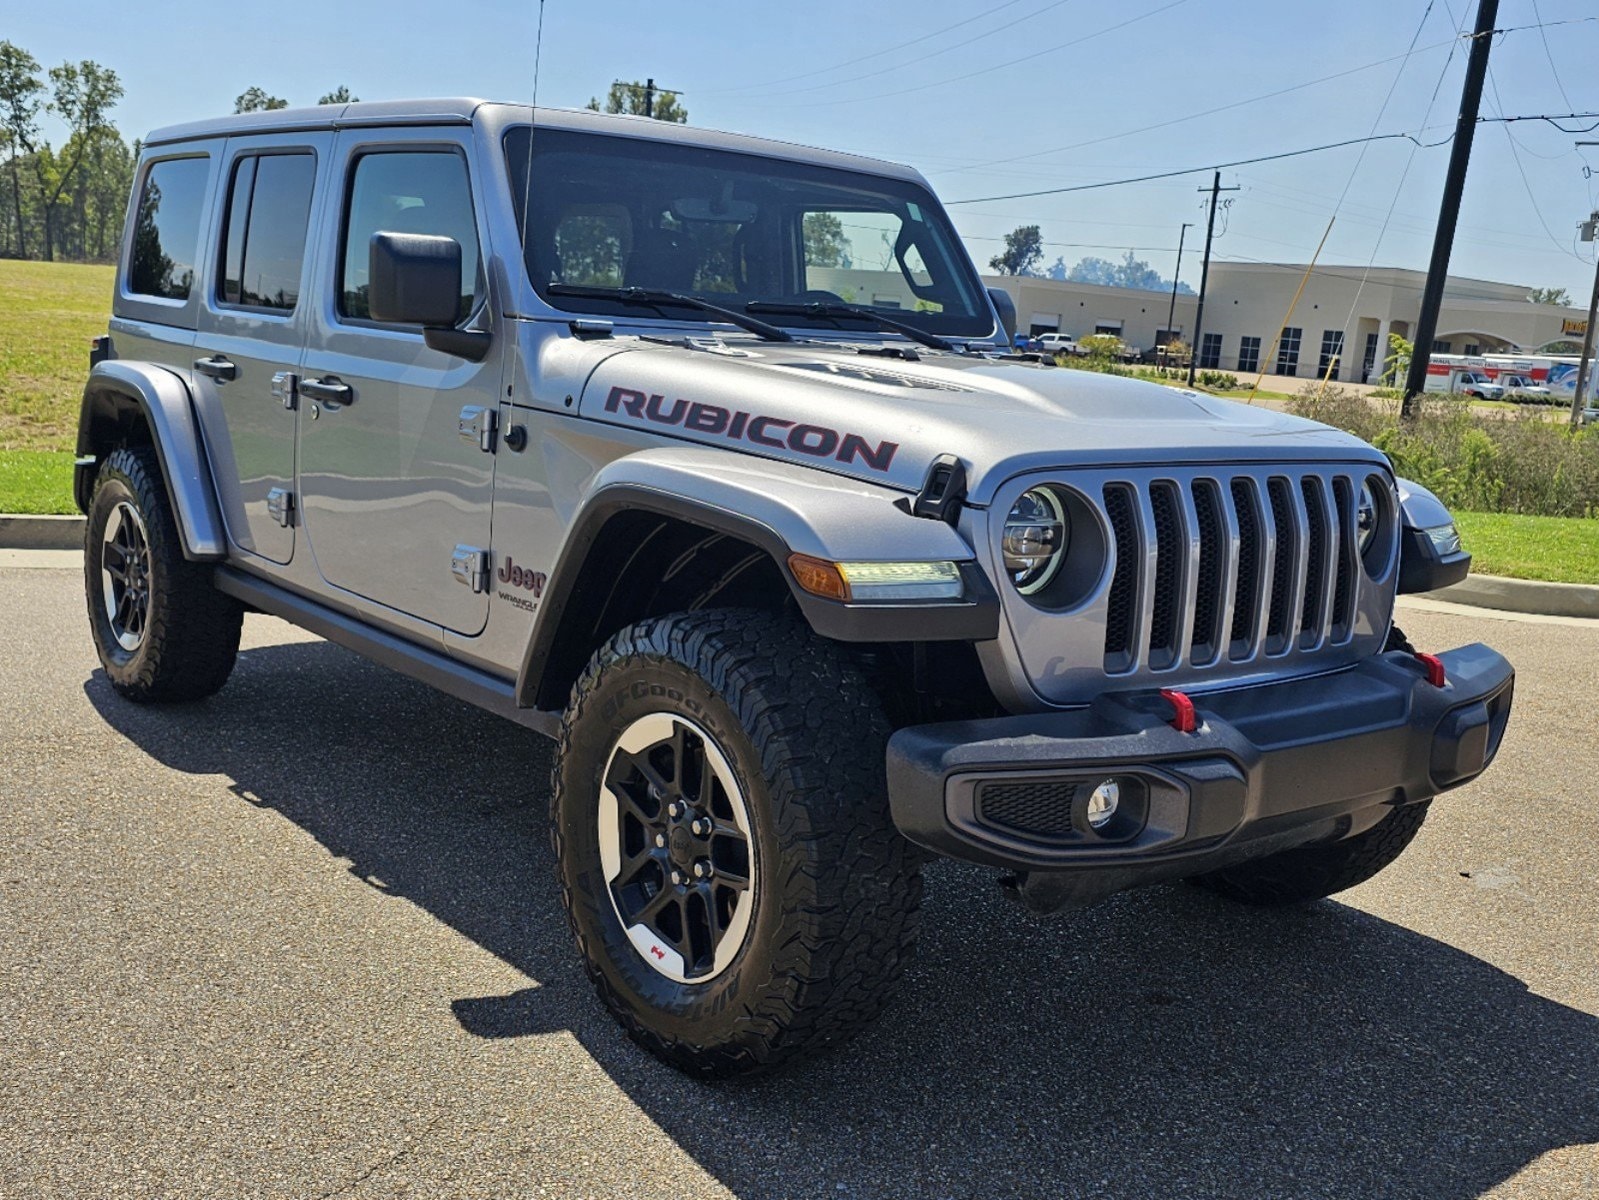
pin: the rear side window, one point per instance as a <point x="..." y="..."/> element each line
<point x="269" y="208"/>
<point x="166" y="229"/>
<point x="407" y="192"/>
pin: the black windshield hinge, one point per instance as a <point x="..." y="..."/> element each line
<point x="942" y="491"/>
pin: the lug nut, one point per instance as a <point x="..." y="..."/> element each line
<point x="674" y="809"/>
<point x="677" y="876"/>
<point x="660" y="841"/>
<point x="702" y="870"/>
<point x="702" y="826"/>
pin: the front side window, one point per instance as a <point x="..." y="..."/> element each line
<point x="269" y="209"/>
<point x="735" y="229"/>
<point x="407" y="192"/>
<point x="166" y="228"/>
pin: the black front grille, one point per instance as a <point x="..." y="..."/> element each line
<point x="1123" y="583"/>
<point x="1282" y="572"/>
<point x="1170" y="550"/>
<point x="1245" y="615"/>
<point x="1343" y="585"/>
<point x="1034" y="808"/>
<point x="1208" y="589"/>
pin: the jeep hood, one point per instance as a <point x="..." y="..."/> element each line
<point x="884" y="420"/>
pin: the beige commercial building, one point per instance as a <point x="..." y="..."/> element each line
<point x="1342" y="321"/>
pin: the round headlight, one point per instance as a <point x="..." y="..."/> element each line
<point x="1035" y="540"/>
<point x="1366" y="516"/>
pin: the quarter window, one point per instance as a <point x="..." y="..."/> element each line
<point x="407" y="192"/>
<point x="166" y="228"/>
<point x="269" y="208"/>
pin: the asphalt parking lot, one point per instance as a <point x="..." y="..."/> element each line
<point x="302" y="940"/>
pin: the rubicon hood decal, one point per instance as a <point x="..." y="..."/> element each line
<point x="824" y="407"/>
<point x="818" y="441"/>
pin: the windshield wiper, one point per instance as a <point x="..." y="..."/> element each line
<point x="656" y="298"/>
<point x="834" y="312"/>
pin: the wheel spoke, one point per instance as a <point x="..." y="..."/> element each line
<point x="655" y="906"/>
<point x="121" y="555"/>
<point x="640" y="763"/>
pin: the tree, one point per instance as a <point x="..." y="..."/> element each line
<point x="257" y="100"/>
<point x="1129" y="272"/>
<point x="632" y="99"/>
<point x="1398" y="361"/>
<point x="20" y="99"/>
<point x="339" y="95"/>
<point x="82" y="95"/>
<point x="1024" y="246"/>
<point x="1549" y="295"/>
<point x="825" y="242"/>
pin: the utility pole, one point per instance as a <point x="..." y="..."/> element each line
<point x="1449" y="211"/>
<point x="1590" y="230"/>
<point x="1171" y="309"/>
<point x="649" y="97"/>
<point x="1216" y="190"/>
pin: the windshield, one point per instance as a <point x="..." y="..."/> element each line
<point x="734" y="228"/>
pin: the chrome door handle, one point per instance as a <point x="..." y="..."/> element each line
<point x="217" y="368"/>
<point x="330" y="390"/>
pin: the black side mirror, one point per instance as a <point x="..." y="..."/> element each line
<point x="1006" y="308"/>
<point x="415" y="279"/>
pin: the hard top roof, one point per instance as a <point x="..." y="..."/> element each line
<point x="464" y="111"/>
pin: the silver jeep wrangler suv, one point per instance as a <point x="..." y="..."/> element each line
<point x="709" y="458"/>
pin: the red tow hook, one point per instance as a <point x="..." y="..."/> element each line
<point x="1184" y="718"/>
<point x="1435" y="668"/>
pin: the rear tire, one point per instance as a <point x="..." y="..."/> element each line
<point x="1312" y="872"/>
<point x="161" y="630"/>
<point x="748" y="728"/>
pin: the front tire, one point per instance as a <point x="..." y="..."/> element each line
<point x="727" y="861"/>
<point x="1312" y="872"/>
<point x="161" y="630"/>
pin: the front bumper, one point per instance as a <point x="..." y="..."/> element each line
<point x="1269" y="767"/>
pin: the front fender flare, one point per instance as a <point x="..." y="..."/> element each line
<point x="782" y="509"/>
<point x="162" y="399"/>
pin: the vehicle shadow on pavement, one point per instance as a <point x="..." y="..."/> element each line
<point x="1164" y="1043"/>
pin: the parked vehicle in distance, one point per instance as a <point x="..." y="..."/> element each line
<point x="1590" y="415"/>
<point x="809" y="577"/>
<point x="1477" y="385"/>
<point x="1057" y="343"/>
<point x="1523" y="388"/>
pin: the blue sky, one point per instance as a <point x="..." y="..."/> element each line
<point x="1020" y="96"/>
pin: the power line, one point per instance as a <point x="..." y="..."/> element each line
<point x="916" y="41"/>
<point x="945" y="82"/>
<point x="1209" y="112"/>
<point x="1549" y="54"/>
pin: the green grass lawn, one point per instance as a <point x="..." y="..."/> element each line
<point x="36" y="481"/>
<point x="48" y="314"/>
<point x="1561" y="549"/>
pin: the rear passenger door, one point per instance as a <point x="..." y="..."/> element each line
<point x="396" y="483"/>
<point x="252" y="332"/>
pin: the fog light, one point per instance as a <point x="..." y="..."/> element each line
<point x="1102" y="803"/>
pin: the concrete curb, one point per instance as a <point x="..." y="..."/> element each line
<point x="1523" y="596"/>
<point x="21" y="532"/>
<point x="1477" y="591"/>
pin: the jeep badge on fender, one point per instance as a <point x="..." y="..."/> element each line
<point x="830" y="580"/>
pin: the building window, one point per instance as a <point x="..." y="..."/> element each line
<point x="1368" y="362"/>
<point x="1249" y="354"/>
<point x="1110" y="328"/>
<point x="1209" y="351"/>
<point x="1288" y="351"/>
<point x="1473" y="348"/>
<point x="1332" y="352"/>
<point x="1440" y="345"/>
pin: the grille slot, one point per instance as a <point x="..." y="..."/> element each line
<point x="1343" y="584"/>
<point x="1246" y="615"/>
<point x="1037" y="808"/>
<point x="1208" y="599"/>
<point x="1170" y="559"/>
<point x="1282" y="571"/>
<point x="1121" y="619"/>
<point x="1315" y="562"/>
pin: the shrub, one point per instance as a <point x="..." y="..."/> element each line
<point x="1513" y="462"/>
<point x="1218" y="381"/>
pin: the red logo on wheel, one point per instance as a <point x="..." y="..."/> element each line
<point x="658" y="952"/>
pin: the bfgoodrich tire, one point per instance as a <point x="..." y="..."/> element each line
<point x="721" y="828"/>
<point x="1311" y="872"/>
<point x="161" y="630"/>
